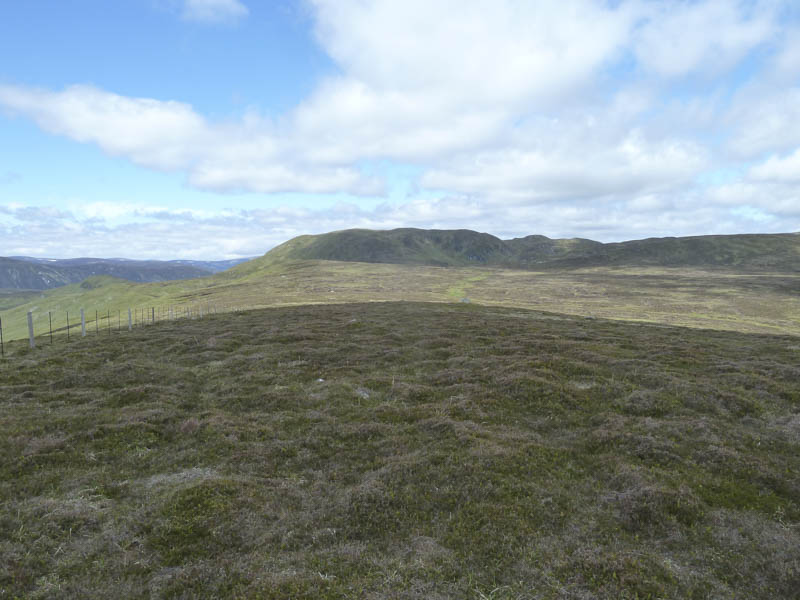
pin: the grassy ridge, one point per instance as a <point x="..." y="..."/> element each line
<point x="462" y="247"/>
<point x="401" y="450"/>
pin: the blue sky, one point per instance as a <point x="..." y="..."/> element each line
<point x="214" y="129"/>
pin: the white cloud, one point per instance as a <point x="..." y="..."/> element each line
<point x="506" y="57"/>
<point x="785" y="65"/>
<point x="423" y="80"/>
<point x="226" y="176"/>
<point x="148" y="132"/>
<point x="214" y="11"/>
<point x="780" y="201"/>
<point x="572" y="161"/>
<point x="764" y="119"/>
<point x="678" y="38"/>
<point x="786" y="169"/>
<point x="171" y="136"/>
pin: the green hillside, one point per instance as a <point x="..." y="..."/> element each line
<point x="401" y="450"/>
<point x="11" y="297"/>
<point x="776" y="252"/>
<point x="37" y="274"/>
<point x="403" y="246"/>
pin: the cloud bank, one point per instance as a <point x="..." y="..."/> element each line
<point x="159" y="232"/>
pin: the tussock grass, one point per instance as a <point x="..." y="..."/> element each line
<point x="401" y="450"/>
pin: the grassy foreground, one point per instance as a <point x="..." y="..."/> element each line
<point x="401" y="450"/>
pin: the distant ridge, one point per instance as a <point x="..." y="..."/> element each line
<point x="25" y="272"/>
<point x="463" y="247"/>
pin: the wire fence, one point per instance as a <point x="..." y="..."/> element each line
<point x="51" y="326"/>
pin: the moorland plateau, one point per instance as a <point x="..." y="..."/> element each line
<point x="614" y="421"/>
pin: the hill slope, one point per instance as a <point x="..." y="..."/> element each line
<point x="42" y="274"/>
<point x="404" y="246"/>
<point x="777" y="252"/>
<point x="401" y="450"/>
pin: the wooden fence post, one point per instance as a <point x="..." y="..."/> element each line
<point x="30" y="329"/>
<point x="130" y="320"/>
<point x="2" y="345"/>
<point x="83" y="323"/>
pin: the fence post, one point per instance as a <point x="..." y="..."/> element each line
<point x="67" y="325"/>
<point x="130" y="320"/>
<point x="2" y="345"/>
<point x="30" y="329"/>
<point x="50" y="318"/>
<point x="83" y="323"/>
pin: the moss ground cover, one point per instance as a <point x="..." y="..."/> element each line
<point x="401" y="450"/>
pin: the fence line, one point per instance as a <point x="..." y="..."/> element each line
<point x="30" y="329"/>
<point x="138" y="317"/>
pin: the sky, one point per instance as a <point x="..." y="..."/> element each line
<point x="216" y="129"/>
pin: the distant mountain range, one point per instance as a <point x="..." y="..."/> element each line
<point x="25" y="272"/>
<point x="445" y="248"/>
<point x="452" y="248"/>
